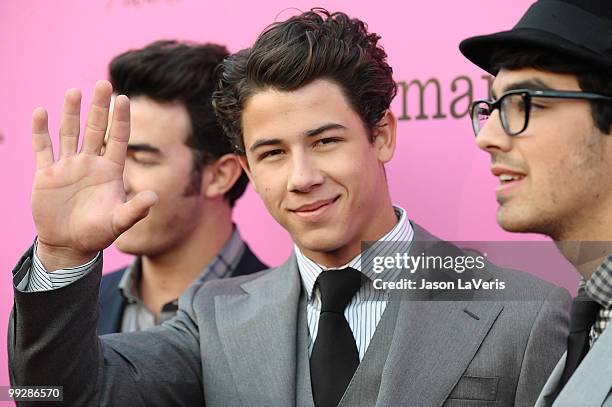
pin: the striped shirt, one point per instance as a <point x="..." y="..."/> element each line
<point x="367" y="306"/>
<point x="38" y="279"/>
<point x="599" y="289"/>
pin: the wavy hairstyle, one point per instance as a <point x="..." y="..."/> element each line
<point x="291" y="54"/>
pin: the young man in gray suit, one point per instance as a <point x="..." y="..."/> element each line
<point x="307" y="107"/>
<point x="550" y="145"/>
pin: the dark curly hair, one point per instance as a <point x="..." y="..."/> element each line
<point x="168" y="71"/>
<point x="293" y="53"/>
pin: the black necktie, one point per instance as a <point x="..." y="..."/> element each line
<point x="582" y="317"/>
<point x="334" y="357"/>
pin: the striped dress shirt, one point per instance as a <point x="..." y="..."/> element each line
<point x="367" y="306"/>
<point x="38" y="279"/>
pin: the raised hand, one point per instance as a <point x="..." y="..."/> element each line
<point x="78" y="202"/>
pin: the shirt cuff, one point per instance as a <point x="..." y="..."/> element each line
<point x="39" y="279"/>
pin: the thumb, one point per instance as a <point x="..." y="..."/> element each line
<point x="130" y="212"/>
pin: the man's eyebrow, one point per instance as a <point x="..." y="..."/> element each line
<point x="147" y="148"/>
<point x="308" y="133"/>
<point x="533" y="84"/>
<point x="323" y="128"/>
<point x="264" y="142"/>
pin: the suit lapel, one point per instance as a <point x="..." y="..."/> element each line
<point x="550" y="387"/>
<point x="303" y="390"/>
<point x="593" y="376"/>
<point x="258" y="332"/>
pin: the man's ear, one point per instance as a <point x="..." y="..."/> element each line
<point x="384" y="136"/>
<point x="220" y="176"/>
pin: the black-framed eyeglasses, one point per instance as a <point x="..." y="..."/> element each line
<point x="515" y="106"/>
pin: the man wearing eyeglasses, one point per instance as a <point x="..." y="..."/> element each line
<point x="551" y="148"/>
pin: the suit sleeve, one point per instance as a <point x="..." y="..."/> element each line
<point x="547" y="343"/>
<point x="53" y="342"/>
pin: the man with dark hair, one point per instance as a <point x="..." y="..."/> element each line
<point x="307" y="107"/>
<point x="550" y="145"/>
<point x="178" y="150"/>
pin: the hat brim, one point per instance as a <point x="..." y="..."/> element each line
<point x="480" y="49"/>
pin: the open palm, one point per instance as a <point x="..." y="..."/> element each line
<point x="78" y="202"/>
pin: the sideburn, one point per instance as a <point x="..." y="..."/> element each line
<point x="194" y="186"/>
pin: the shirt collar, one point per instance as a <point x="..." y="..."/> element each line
<point x="402" y="233"/>
<point x="130" y="281"/>
<point x="599" y="286"/>
<point x="223" y="265"/>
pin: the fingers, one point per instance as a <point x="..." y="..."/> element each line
<point x="119" y="134"/>
<point x="97" y="119"/>
<point x="41" y="142"/>
<point x="127" y="214"/>
<point x="71" y="123"/>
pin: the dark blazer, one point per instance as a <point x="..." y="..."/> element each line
<point x="112" y="303"/>
<point x="243" y="342"/>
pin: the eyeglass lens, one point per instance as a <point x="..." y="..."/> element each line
<point x="512" y="111"/>
<point x="480" y="115"/>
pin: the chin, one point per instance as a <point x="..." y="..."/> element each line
<point x="511" y="220"/>
<point x="513" y="227"/>
<point x="127" y="248"/>
<point x="515" y="221"/>
<point x="129" y="243"/>
<point x="320" y="241"/>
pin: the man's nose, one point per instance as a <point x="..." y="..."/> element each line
<point x="304" y="174"/>
<point x="492" y="137"/>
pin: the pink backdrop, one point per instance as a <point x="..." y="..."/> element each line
<point x="437" y="175"/>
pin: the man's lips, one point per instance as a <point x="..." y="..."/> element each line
<point x="508" y="178"/>
<point x="314" y="210"/>
<point x="313" y="206"/>
<point x="498" y="170"/>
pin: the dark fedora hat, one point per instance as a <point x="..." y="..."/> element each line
<point x="580" y="29"/>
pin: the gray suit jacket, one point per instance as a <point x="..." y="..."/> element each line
<point x="591" y="383"/>
<point x="242" y="342"/>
